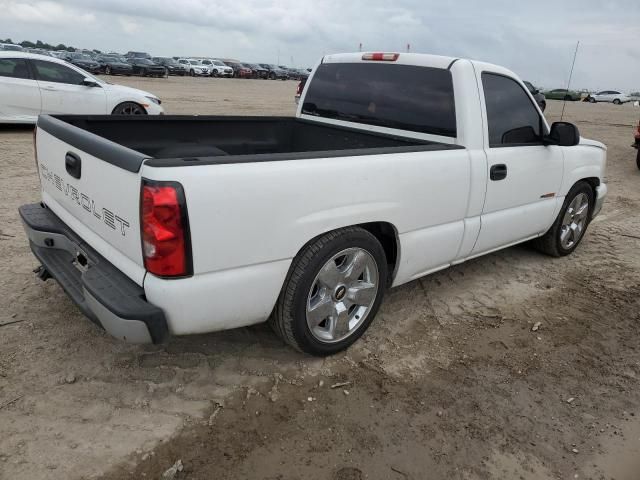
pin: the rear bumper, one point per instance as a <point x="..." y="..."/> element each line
<point x="102" y="292"/>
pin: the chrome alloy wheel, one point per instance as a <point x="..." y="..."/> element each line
<point x="574" y="221"/>
<point x="342" y="295"/>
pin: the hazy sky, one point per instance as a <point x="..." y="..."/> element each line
<point x="535" y="38"/>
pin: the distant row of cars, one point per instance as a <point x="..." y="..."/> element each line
<point x="610" y="96"/>
<point x="142" y="63"/>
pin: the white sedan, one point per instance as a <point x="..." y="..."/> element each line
<point x="32" y="84"/>
<point x="610" y="96"/>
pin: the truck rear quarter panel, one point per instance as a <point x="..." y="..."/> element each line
<point x="249" y="220"/>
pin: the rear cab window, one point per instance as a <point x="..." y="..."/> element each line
<point x="14" y="68"/>
<point x="513" y="119"/>
<point x="406" y="97"/>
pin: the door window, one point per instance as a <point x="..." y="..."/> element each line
<point x="54" y="72"/>
<point x="14" y="68"/>
<point x="512" y="117"/>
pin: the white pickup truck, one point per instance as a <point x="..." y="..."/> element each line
<point x="395" y="166"/>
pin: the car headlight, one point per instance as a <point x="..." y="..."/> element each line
<point x="154" y="100"/>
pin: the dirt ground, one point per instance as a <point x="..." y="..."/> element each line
<point x="449" y="382"/>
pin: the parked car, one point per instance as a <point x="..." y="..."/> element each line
<point x="611" y="96"/>
<point x="217" y="68"/>
<point x="537" y="95"/>
<point x="275" y="72"/>
<point x="240" y="70"/>
<point x="636" y="145"/>
<point x="11" y="47"/>
<point x="194" y="67"/>
<point x="32" y="84"/>
<point x="294" y="73"/>
<point x="563" y="94"/>
<point x="257" y="70"/>
<point x="422" y="185"/>
<point x="138" y="55"/>
<point x="83" y="61"/>
<point x="172" y="66"/>
<point x="114" y="65"/>
<point x="147" y="68"/>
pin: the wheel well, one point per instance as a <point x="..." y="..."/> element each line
<point x="128" y="101"/>
<point x="388" y="238"/>
<point x="593" y="183"/>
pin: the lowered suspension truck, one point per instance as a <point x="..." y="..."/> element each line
<point x="395" y="166"/>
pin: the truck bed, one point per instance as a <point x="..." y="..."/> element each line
<point x="188" y="140"/>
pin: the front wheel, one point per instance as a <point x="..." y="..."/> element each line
<point x="107" y="70"/>
<point x="129" y="108"/>
<point x="567" y="231"/>
<point x="332" y="293"/>
<point x="592" y="100"/>
<point x="617" y="101"/>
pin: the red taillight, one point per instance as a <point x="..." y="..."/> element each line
<point x="165" y="229"/>
<point x="381" y="57"/>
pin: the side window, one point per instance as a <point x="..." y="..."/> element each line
<point x="512" y="117"/>
<point x="14" y="68"/>
<point x="55" y="72"/>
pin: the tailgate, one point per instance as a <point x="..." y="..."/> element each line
<point x="93" y="185"/>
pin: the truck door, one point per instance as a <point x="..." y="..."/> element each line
<point x="524" y="175"/>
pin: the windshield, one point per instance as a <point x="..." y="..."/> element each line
<point x="405" y="97"/>
<point x="219" y="63"/>
<point x="13" y="48"/>
<point x="194" y="62"/>
<point x="143" y="61"/>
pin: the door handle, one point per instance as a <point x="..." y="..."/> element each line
<point x="498" y="172"/>
<point x="73" y="164"/>
<point x="51" y="89"/>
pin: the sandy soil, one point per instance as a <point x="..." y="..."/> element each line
<point x="449" y="382"/>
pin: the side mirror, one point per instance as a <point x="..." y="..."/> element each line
<point x="536" y="91"/>
<point x="564" y="134"/>
<point x="89" y="82"/>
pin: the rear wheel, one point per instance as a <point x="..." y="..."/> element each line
<point x="332" y="293"/>
<point x="617" y="101"/>
<point x="592" y="100"/>
<point x="129" y="108"/>
<point x="568" y="230"/>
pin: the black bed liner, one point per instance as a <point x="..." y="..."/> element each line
<point x="169" y="141"/>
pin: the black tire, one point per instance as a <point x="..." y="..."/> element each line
<point x="214" y="73"/>
<point x="272" y="76"/>
<point x="166" y="73"/>
<point x="192" y="73"/>
<point x="638" y="158"/>
<point x="129" y="108"/>
<point x="617" y="101"/>
<point x="107" y="70"/>
<point x="550" y="242"/>
<point x="143" y="72"/>
<point x="568" y="98"/>
<point x="592" y="100"/>
<point x="288" y="319"/>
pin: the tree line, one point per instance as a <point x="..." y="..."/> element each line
<point x="43" y="45"/>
